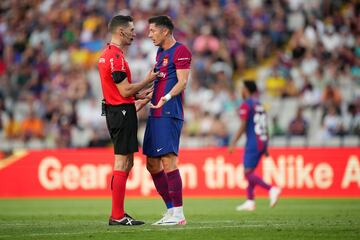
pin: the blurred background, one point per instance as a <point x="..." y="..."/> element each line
<point x="304" y="56"/>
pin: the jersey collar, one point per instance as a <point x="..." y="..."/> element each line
<point x="115" y="46"/>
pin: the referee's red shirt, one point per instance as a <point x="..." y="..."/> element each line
<point x="111" y="60"/>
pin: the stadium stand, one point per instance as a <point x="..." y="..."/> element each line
<point x="306" y="54"/>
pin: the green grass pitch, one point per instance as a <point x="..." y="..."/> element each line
<point x="207" y="219"/>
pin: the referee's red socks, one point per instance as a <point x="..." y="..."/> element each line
<point x="175" y="187"/>
<point x="118" y="185"/>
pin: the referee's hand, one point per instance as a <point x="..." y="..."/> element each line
<point x="139" y="104"/>
<point x="146" y="94"/>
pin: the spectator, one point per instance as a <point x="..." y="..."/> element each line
<point x="12" y="128"/>
<point x="331" y="97"/>
<point x="354" y="110"/>
<point x="276" y="129"/>
<point x="299" y="125"/>
<point x="333" y="125"/>
<point x="220" y="132"/>
<point x="32" y="127"/>
<point x="52" y="54"/>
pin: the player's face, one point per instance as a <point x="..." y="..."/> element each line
<point x="157" y="34"/>
<point x="127" y="34"/>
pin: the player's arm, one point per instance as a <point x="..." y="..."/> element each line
<point x="244" y="115"/>
<point x="182" y="75"/>
<point x="127" y="89"/>
<point x="182" y="62"/>
<point x="237" y="136"/>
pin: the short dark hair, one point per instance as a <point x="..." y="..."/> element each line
<point x="119" y="20"/>
<point x="163" y="21"/>
<point x="250" y="85"/>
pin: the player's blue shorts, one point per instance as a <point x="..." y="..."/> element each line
<point x="252" y="158"/>
<point x="162" y="136"/>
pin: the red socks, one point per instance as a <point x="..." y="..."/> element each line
<point x="118" y="185"/>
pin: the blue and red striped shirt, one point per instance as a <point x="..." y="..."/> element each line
<point x="167" y="62"/>
<point x="254" y="114"/>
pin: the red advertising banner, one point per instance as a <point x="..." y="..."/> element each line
<point x="308" y="172"/>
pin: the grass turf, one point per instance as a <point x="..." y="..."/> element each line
<point x="207" y="219"/>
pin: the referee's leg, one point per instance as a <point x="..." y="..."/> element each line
<point x="122" y="167"/>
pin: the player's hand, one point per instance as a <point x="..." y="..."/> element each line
<point x="266" y="153"/>
<point x="231" y="148"/>
<point x="159" y="104"/>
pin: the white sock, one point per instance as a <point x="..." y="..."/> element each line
<point x="178" y="212"/>
<point x="171" y="211"/>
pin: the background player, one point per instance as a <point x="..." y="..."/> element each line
<point x="163" y="128"/>
<point x="120" y="110"/>
<point x="254" y="123"/>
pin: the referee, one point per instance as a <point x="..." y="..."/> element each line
<point x="119" y="108"/>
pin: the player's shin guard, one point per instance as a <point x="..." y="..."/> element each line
<point x="175" y="187"/>
<point x="161" y="184"/>
<point x="118" y="184"/>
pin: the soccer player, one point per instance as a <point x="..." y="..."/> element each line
<point x="254" y="123"/>
<point x="120" y="110"/>
<point x="163" y="128"/>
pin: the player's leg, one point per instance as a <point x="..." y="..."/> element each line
<point x="175" y="189"/>
<point x="154" y="142"/>
<point x="255" y="180"/>
<point x="249" y="204"/>
<point x="251" y="161"/>
<point x="155" y="168"/>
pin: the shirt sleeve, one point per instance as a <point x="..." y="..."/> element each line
<point x="117" y="63"/>
<point x="244" y="111"/>
<point x="182" y="58"/>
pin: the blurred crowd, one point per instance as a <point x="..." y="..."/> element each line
<point x="50" y="91"/>
<point x="320" y="69"/>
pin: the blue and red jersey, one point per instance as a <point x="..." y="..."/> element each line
<point x="253" y="112"/>
<point x="167" y="62"/>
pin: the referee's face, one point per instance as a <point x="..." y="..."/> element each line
<point x="127" y="34"/>
<point x="157" y="34"/>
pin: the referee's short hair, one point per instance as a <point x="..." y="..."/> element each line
<point x="251" y="86"/>
<point x="163" y="21"/>
<point x="119" y="20"/>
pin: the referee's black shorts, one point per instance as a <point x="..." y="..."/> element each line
<point x="122" y="123"/>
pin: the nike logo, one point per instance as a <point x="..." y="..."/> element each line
<point x="159" y="149"/>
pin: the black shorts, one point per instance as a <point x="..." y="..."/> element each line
<point x="122" y="123"/>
